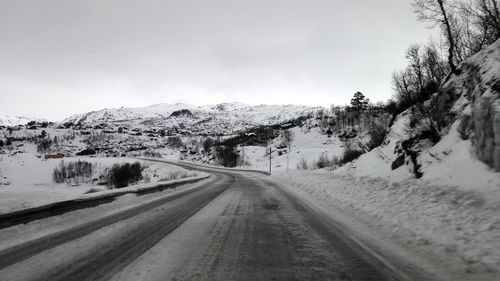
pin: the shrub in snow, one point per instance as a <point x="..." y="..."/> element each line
<point x="146" y="178"/>
<point x="85" y="152"/>
<point x="348" y="133"/>
<point x="377" y="133"/>
<point x="324" y="162"/>
<point x="350" y="152"/>
<point x="174" y="142"/>
<point x="43" y="145"/>
<point x="121" y="175"/>
<point x="151" y="154"/>
<point x="95" y="189"/>
<point x="76" y="172"/>
<point x="302" y="164"/>
<point x="172" y="175"/>
<point x="207" y="144"/>
<point x="227" y="156"/>
<point x="43" y="134"/>
<point x="350" y="155"/>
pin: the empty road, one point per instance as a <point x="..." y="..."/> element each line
<point x="235" y="226"/>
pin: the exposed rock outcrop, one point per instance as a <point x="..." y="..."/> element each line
<point x="181" y="113"/>
<point x="477" y="93"/>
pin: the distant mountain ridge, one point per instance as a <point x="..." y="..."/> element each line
<point x="210" y="119"/>
<point x="9" y="120"/>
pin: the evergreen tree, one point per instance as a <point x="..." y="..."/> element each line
<point x="359" y="102"/>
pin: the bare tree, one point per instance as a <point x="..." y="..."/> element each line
<point x="475" y="26"/>
<point x="400" y="84"/>
<point x="486" y="19"/>
<point x="434" y="66"/>
<point x="416" y="67"/>
<point x="437" y="12"/>
<point x="467" y="25"/>
<point x="287" y="137"/>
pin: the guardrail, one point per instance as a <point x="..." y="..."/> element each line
<point x="61" y="207"/>
<point x="227" y="169"/>
<point x="182" y="163"/>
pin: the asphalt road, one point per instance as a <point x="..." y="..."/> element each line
<point x="239" y="226"/>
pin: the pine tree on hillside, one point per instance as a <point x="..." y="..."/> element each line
<point x="359" y="102"/>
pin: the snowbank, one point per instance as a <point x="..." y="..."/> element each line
<point x="444" y="219"/>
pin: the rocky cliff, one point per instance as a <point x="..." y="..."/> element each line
<point x="477" y="92"/>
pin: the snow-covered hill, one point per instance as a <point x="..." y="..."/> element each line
<point x="221" y="118"/>
<point x="465" y="155"/>
<point x="8" y="120"/>
<point x="440" y="199"/>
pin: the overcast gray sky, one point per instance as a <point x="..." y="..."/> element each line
<point x="60" y="57"/>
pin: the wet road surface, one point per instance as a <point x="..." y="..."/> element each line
<point x="239" y="226"/>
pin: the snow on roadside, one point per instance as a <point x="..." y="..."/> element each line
<point x="449" y="162"/>
<point x="22" y="233"/>
<point x="27" y="180"/>
<point x="448" y="220"/>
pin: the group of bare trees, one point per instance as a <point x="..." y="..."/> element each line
<point x="73" y="172"/>
<point x="421" y="78"/>
<point x="466" y="26"/>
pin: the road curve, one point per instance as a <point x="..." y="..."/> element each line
<point x="241" y="226"/>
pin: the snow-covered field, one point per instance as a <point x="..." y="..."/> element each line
<point x="26" y="180"/>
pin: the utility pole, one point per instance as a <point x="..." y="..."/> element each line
<point x="270" y="151"/>
<point x="243" y="156"/>
<point x="287" y="160"/>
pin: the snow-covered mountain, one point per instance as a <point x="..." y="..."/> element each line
<point x="8" y="120"/>
<point x="219" y="118"/>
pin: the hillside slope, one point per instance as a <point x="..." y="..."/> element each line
<point x="8" y="120"/>
<point x="212" y="119"/>
<point x="439" y="200"/>
<point x="465" y="155"/>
